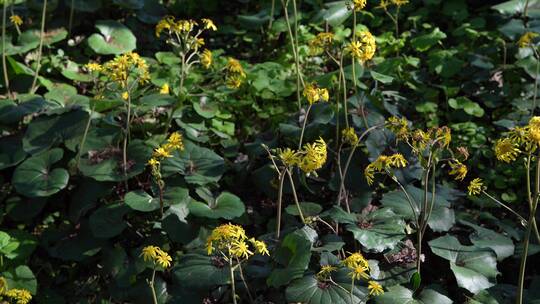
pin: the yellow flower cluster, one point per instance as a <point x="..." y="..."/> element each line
<point x="16" y="20"/>
<point x="526" y="39"/>
<point x="157" y="256"/>
<point x="206" y="58"/>
<point x="164" y="90"/>
<point x="326" y="272"/>
<point x="359" y="269"/>
<point x="313" y="156"/>
<point x="398" y="126"/>
<point x="375" y="288"/>
<point x="419" y="139"/>
<point x="18" y="296"/>
<point x="520" y="139"/>
<point x="475" y="187"/>
<point x="232" y="241"/>
<point x="357" y="5"/>
<point x="315" y="94"/>
<point x="458" y="169"/>
<point x="235" y="73"/>
<point x="320" y="42"/>
<point x="382" y="164"/>
<point x="349" y="136"/>
<point x="182" y="27"/>
<point x="364" y="47"/>
<point x="122" y="67"/>
<point x="174" y="142"/>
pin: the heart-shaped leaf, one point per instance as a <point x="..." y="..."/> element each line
<point x="141" y="201"/>
<point x="21" y="277"/>
<point x="36" y="177"/>
<point x="107" y="221"/>
<point x="114" y="38"/>
<point x="226" y="205"/>
<point x="380" y="230"/>
<point x="201" y="271"/>
<point x="399" y="295"/>
<point x="11" y="151"/>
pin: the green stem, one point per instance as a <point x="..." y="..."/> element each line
<point x="344" y="82"/>
<point x="154" y="296"/>
<point x="239" y="265"/>
<point x="280" y="200"/>
<point x="351" y="292"/>
<point x="295" y="51"/>
<point x="85" y="134"/>
<point x="126" y="136"/>
<point x="233" y="285"/>
<point x="295" y="197"/>
<point x="4" y="63"/>
<point x="272" y="10"/>
<point x="71" y="12"/>
<point x="40" y="49"/>
<point x="522" y="219"/>
<point x="304" y="127"/>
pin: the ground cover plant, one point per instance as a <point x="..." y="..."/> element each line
<point x="269" y="151"/>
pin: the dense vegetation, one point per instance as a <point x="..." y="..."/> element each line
<point x="267" y="151"/>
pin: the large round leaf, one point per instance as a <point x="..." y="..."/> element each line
<point x="114" y="38"/>
<point x="107" y="221"/>
<point x="142" y="201"/>
<point x="35" y="177"/>
<point x="310" y="291"/>
<point x="11" y="151"/>
<point x="198" y="165"/>
<point x="21" y="277"/>
<point x="399" y="295"/>
<point x="226" y="205"/>
<point x="201" y="271"/>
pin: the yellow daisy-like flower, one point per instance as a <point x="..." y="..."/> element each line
<point x="359" y="272"/>
<point x="382" y="164"/>
<point x="314" y="94"/>
<point x="325" y="272"/>
<point x="206" y="58"/>
<point x="240" y="249"/>
<point x="175" y="141"/>
<point x="359" y="4"/>
<point x="149" y="253"/>
<point x="320" y="42"/>
<point x="313" y="156"/>
<point x="93" y="67"/>
<point x="534" y="129"/>
<point x="20" y="296"/>
<point x="153" y="162"/>
<point x="400" y="2"/>
<point x="161" y="152"/>
<point x="164" y="90"/>
<point x="125" y="96"/>
<point x="16" y="20"/>
<point x="121" y="67"/>
<point x="289" y="157"/>
<point x="163" y="259"/>
<point x="375" y="288"/>
<point x="506" y="150"/>
<point x="234" y="82"/>
<point x="235" y="67"/>
<point x="358" y="266"/>
<point x="349" y="136"/>
<point x="526" y="39"/>
<point x="260" y="246"/>
<point x="364" y="47"/>
<point x="398" y="126"/>
<point x="475" y="187"/>
<point x="459" y="170"/>
<point x="383" y="4"/>
<point x="223" y="236"/>
<point x="209" y="24"/>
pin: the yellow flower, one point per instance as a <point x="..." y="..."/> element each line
<point x="206" y="58"/>
<point x="313" y="156"/>
<point x="3" y="285"/>
<point x="506" y="150"/>
<point x="209" y="24"/>
<point x="121" y="67"/>
<point x="358" y="4"/>
<point x="398" y="126"/>
<point x="198" y="43"/>
<point x="314" y="94"/>
<point x="260" y="246"/>
<point x="164" y="24"/>
<point x="382" y="164"/>
<point x="358" y="266"/>
<point x="289" y="157"/>
<point x="320" y="42"/>
<point x="458" y="169"/>
<point x="161" y="152"/>
<point x="234" y="82"/>
<point x="397" y="160"/>
<point x="175" y="141"/>
<point x="240" y="249"/>
<point x="149" y="253"/>
<point x="475" y="187"/>
<point x="20" y="296"/>
<point x="125" y="96"/>
<point x="325" y="272"/>
<point x="16" y="20"/>
<point x="534" y="129"/>
<point x="163" y="259"/>
<point x="153" y="162"/>
<point x="444" y="134"/>
<point x="383" y="4"/>
<point x="375" y="288"/>
<point x="223" y="236"/>
<point x="235" y="67"/>
<point x="93" y="67"/>
<point x="349" y="136"/>
<point x="164" y="89"/>
<point x="526" y="39"/>
<point x="359" y="272"/>
<point x="363" y="49"/>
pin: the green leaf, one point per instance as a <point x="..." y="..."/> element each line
<point x="426" y="41"/>
<point x="141" y="201"/>
<point x="442" y="217"/>
<point x="21" y="277"/>
<point x="310" y="291"/>
<point x="380" y="230"/>
<point x="226" y="205"/>
<point x="399" y="295"/>
<point x="470" y="107"/>
<point x="114" y="38"/>
<point x="514" y="6"/>
<point x="35" y="176"/>
<point x="32" y="37"/>
<point x="11" y="151"/>
<point x="308" y="209"/>
<point x="472" y="266"/>
<point x="337" y="13"/>
<point x="107" y="221"/>
<point x="11" y="112"/>
<point x="381" y="77"/>
<point x="198" y="165"/>
<point x="503" y="246"/>
<point x="201" y="271"/>
<point x="88" y="6"/>
<point x="294" y="253"/>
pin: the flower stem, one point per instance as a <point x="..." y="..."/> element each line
<point x="304" y="127"/>
<point x="295" y="197"/>
<point x="233" y="285"/>
<point x="85" y="134"/>
<point x="280" y="200"/>
<point x="4" y="64"/>
<point x="154" y="296"/>
<point x="40" y="49"/>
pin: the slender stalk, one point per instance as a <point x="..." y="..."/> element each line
<point x="233" y="285"/>
<point x="244" y="280"/>
<point x="525" y="9"/>
<point x="535" y="80"/>
<point x="85" y="134"/>
<point x="272" y="10"/>
<point x="40" y="49"/>
<point x="428" y="214"/>
<point x="154" y="296"/>
<point x="295" y="196"/>
<point x="521" y="218"/>
<point x="71" y="12"/>
<point x="4" y="63"/>
<point x="351" y="292"/>
<point x="280" y="200"/>
<point x="342" y="73"/>
<point x="126" y="136"/>
<point x="304" y="127"/>
<point x="295" y="51"/>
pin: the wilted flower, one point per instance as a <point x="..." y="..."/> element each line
<point x="506" y="150"/>
<point x="459" y="170"/>
<point x="475" y="187"/>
